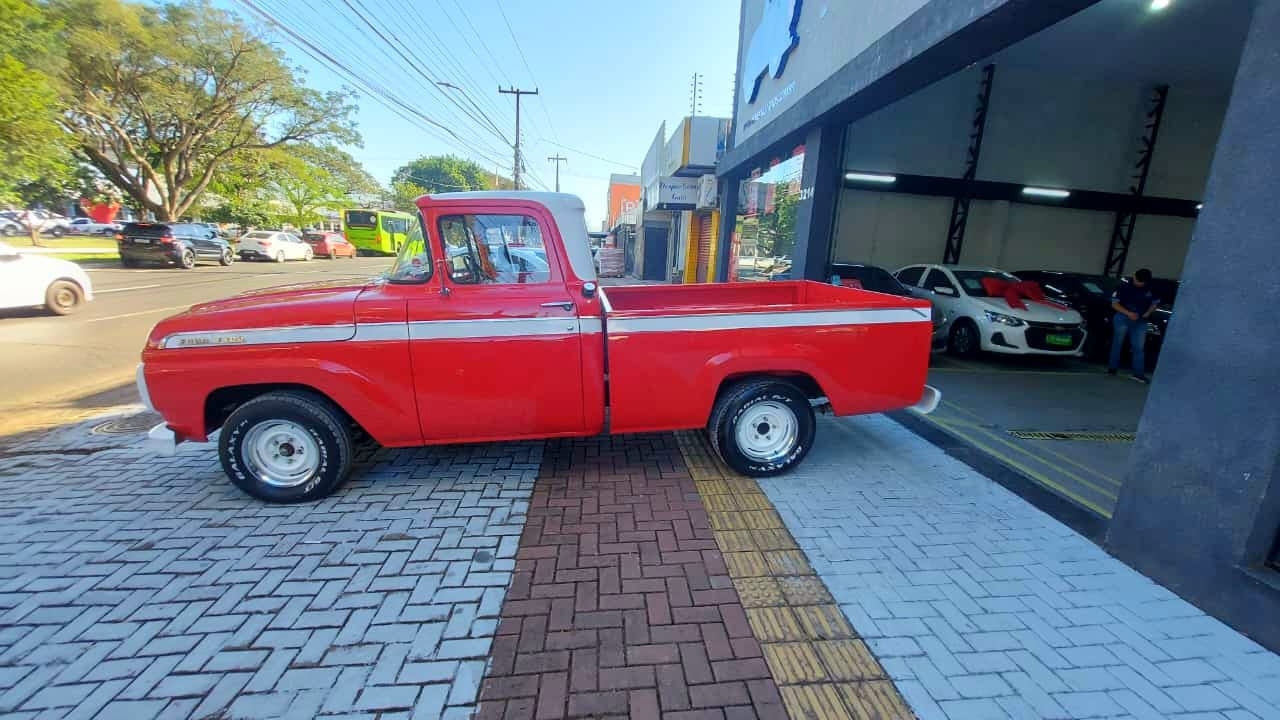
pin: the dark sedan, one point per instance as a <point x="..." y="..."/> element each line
<point x="1091" y="296"/>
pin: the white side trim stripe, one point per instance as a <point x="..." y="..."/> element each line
<point x="492" y="328"/>
<point x="530" y="327"/>
<point x="261" y="336"/>
<point x="751" y="321"/>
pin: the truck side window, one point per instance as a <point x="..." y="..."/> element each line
<point x="413" y="262"/>
<point x="494" y="249"/>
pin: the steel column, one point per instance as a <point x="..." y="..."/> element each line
<point x="1122" y="229"/>
<point x="960" y="204"/>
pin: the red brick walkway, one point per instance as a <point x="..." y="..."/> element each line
<point x="621" y="604"/>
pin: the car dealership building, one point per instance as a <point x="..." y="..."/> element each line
<point x="1093" y="136"/>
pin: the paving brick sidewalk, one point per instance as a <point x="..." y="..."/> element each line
<point x="139" y="587"/>
<point x="621" y="605"/>
<point x="980" y="606"/>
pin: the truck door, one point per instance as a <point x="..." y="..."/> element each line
<point x="499" y="355"/>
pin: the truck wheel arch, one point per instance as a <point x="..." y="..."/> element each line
<point x="220" y="403"/>
<point x="803" y="380"/>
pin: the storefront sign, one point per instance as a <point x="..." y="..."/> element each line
<point x="789" y="47"/>
<point x="677" y="191"/>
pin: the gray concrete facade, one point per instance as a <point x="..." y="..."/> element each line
<point x="1200" y="506"/>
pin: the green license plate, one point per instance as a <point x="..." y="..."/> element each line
<point x="1059" y="340"/>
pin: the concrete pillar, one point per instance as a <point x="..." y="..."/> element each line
<point x="820" y="183"/>
<point x="728" y="225"/>
<point x="1200" y="507"/>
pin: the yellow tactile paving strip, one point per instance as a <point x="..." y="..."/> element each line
<point x="822" y="668"/>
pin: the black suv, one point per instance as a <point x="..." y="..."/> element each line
<point x="179" y="243"/>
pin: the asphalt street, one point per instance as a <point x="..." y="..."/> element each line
<point x="56" y="368"/>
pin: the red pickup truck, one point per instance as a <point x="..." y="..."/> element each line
<point x="490" y="326"/>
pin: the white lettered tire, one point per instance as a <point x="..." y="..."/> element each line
<point x="762" y="427"/>
<point x="286" y="447"/>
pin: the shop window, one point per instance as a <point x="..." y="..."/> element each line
<point x="764" y="236"/>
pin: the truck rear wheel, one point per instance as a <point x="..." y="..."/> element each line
<point x="286" y="447"/>
<point x="762" y="427"/>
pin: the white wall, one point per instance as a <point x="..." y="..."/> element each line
<point x="1058" y="131"/>
<point x="1160" y="243"/>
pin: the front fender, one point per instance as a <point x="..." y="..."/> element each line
<point x="371" y="382"/>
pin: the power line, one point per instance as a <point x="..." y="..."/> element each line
<point x="370" y="88"/>
<point x="629" y="166"/>
<point x="422" y="70"/>
<point x="448" y="61"/>
<point x="525" y="60"/>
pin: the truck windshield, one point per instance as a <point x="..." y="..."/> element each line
<point x="413" y="262"/>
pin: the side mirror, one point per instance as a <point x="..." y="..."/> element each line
<point x="944" y="290"/>
<point x="588" y="290"/>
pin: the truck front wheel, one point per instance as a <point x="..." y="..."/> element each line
<point x="762" y="427"/>
<point x="286" y="447"/>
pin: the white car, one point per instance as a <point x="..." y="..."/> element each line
<point x="979" y="322"/>
<point x="273" y="245"/>
<point x="89" y="226"/>
<point x="28" y="280"/>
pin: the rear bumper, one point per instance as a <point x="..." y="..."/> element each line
<point x="150" y="253"/>
<point x="929" y="401"/>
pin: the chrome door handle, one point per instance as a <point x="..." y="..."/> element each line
<point x="566" y="305"/>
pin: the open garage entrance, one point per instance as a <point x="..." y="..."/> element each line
<point x="1073" y="158"/>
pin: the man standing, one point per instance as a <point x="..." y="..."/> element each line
<point x="1133" y="303"/>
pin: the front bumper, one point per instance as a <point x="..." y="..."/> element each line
<point x="160" y="439"/>
<point x="1031" y="339"/>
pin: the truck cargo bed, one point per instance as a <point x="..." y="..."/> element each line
<point x="672" y="348"/>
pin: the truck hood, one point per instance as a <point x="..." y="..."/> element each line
<point x="290" y="306"/>
<point x="1034" y="312"/>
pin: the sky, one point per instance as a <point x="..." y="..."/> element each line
<point x="608" y="74"/>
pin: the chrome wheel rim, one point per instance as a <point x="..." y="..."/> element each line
<point x="281" y="453"/>
<point x="767" y="431"/>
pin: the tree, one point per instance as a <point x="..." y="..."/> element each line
<point x="440" y="174"/>
<point x="307" y="178"/>
<point x="160" y="97"/>
<point x="32" y="145"/>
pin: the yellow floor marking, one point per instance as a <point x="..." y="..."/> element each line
<point x="1037" y="476"/>
<point x="821" y="667"/>
<point x="820" y="701"/>
<point x="794" y="663"/>
<point x="848" y="660"/>
<point x="746" y="564"/>
<point x="996" y="438"/>
<point x="1050" y="451"/>
<point x="774" y="624"/>
<point x="875" y="699"/>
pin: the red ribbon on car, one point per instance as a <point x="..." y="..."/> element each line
<point x="1015" y="292"/>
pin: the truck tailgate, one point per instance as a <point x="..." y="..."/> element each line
<point x="670" y="348"/>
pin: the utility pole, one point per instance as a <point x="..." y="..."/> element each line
<point x="557" y="159"/>
<point x="695" y="95"/>
<point x="515" y="171"/>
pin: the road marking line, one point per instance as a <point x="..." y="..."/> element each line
<point x="126" y="289"/>
<point x="141" y="312"/>
<point x="1050" y="451"/>
<point x="1038" y="477"/>
<point x="1042" y="460"/>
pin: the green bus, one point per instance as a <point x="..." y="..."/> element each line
<point x="376" y="232"/>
